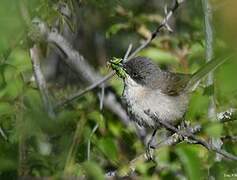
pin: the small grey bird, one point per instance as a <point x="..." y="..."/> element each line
<point x="163" y="93"/>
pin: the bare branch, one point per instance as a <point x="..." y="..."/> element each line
<point x="97" y="125"/>
<point x="127" y="53"/>
<point x="89" y="141"/>
<point x="164" y="23"/>
<point x="80" y="93"/>
<point x="101" y="96"/>
<point x="191" y="136"/>
<point x="3" y="134"/>
<point x="73" y="148"/>
<point x="207" y="10"/>
<point x="229" y="138"/>
<point x="175" y="138"/>
<point x="40" y="81"/>
<point x="83" y="69"/>
<point x="74" y="59"/>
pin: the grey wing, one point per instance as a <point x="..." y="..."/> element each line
<point x="174" y="83"/>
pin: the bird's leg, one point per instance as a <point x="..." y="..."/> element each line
<point x="149" y="146"/>
<point x="184" y="124"/>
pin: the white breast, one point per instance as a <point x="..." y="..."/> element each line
<point x="140" y="99"/>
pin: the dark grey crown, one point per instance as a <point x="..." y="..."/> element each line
<point x="142" y="70"/>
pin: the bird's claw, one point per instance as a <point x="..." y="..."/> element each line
<point x="149" y="152"/>
<point x="184" y="124"/>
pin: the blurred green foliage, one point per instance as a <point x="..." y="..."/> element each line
<point x="25" y="123"/>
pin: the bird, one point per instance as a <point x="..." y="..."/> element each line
<point x="165" y="94"/>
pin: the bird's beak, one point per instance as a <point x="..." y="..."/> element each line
<point x="118" y="66"/>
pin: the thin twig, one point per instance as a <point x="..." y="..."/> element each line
<point x="80" y="93"/>
<point x="77" y="62"/>
<point x="101" y="97"/>
<point x="207" y="10"/>
<point x="89" y="141"/>
<point x="3" y="134"/>
<point x="175" y="138"/>
<point x="40" y="81"/>
<point x="97" y="125"/>
<point x="171" y="140"/>
<point x="83" y="69"/>
<point x="92" y="86"/>
<point x="191" y="136"/>
<point x="125" y="58"/>
<point x="23" y="148"/>
<point x="74" y="146"/>
<point x="164" y="23"/>
<point x="229" y="138"/>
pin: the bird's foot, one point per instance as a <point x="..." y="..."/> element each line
<point x="185" y="127"/>
<point x="149" y="152"/>
<point x="184" y="124"/>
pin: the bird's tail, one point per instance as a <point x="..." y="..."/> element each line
<point x="202" y="72"/>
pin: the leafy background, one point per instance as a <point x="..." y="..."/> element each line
<point x="36" y="145"/>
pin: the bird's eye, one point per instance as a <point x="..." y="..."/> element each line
<point x="134" y="74"/>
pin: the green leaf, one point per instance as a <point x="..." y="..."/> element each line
<point x="108" y="147"/>
<point x="9" y="73"/>
<point x="188" y="156"/>
<point x="209" y="90"/>
<point x="7" y="164"/>
<point x="32" y="99"/>
<point x="159" y="55"/>
<point x="13" y="89"/>
<point x="214" y="129"/>
<point x="198" y="105"/>
<point x="20" y="60"/>
<point x="115" y="128"/>
<point x="5" y="109"/>
<point x="98" y="118"/>
<point x="93" y="171"/>
<point x="114" y="29"/>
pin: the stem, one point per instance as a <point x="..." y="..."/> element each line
<point x="40" y="80"/>
<point x="74" y="146"/>
<point x="207" y="10"/>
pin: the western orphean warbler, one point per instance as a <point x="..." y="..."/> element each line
<point x="163" y="93"/>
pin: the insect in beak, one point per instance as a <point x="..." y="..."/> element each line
<point x="117" y="65"/>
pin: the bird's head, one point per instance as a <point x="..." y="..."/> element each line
<point x="141" y="69"/>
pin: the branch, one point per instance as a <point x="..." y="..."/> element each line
<point x="192" y="137"/>
<point x="40" y="81"/>
<point x="3" y="134"/>
<point x="175" y="139"/>
<point x="101" y="97"/>
<point x="82" y="68"/>
<point x="229" y="138"/>
<point x="80" y="93"/>
<point x="70" y="160"/>
<point x="171" y="140"/>
<point x="207" y="10"/>
<point x="223" y="117"/>
<point x="163" y="24"/>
